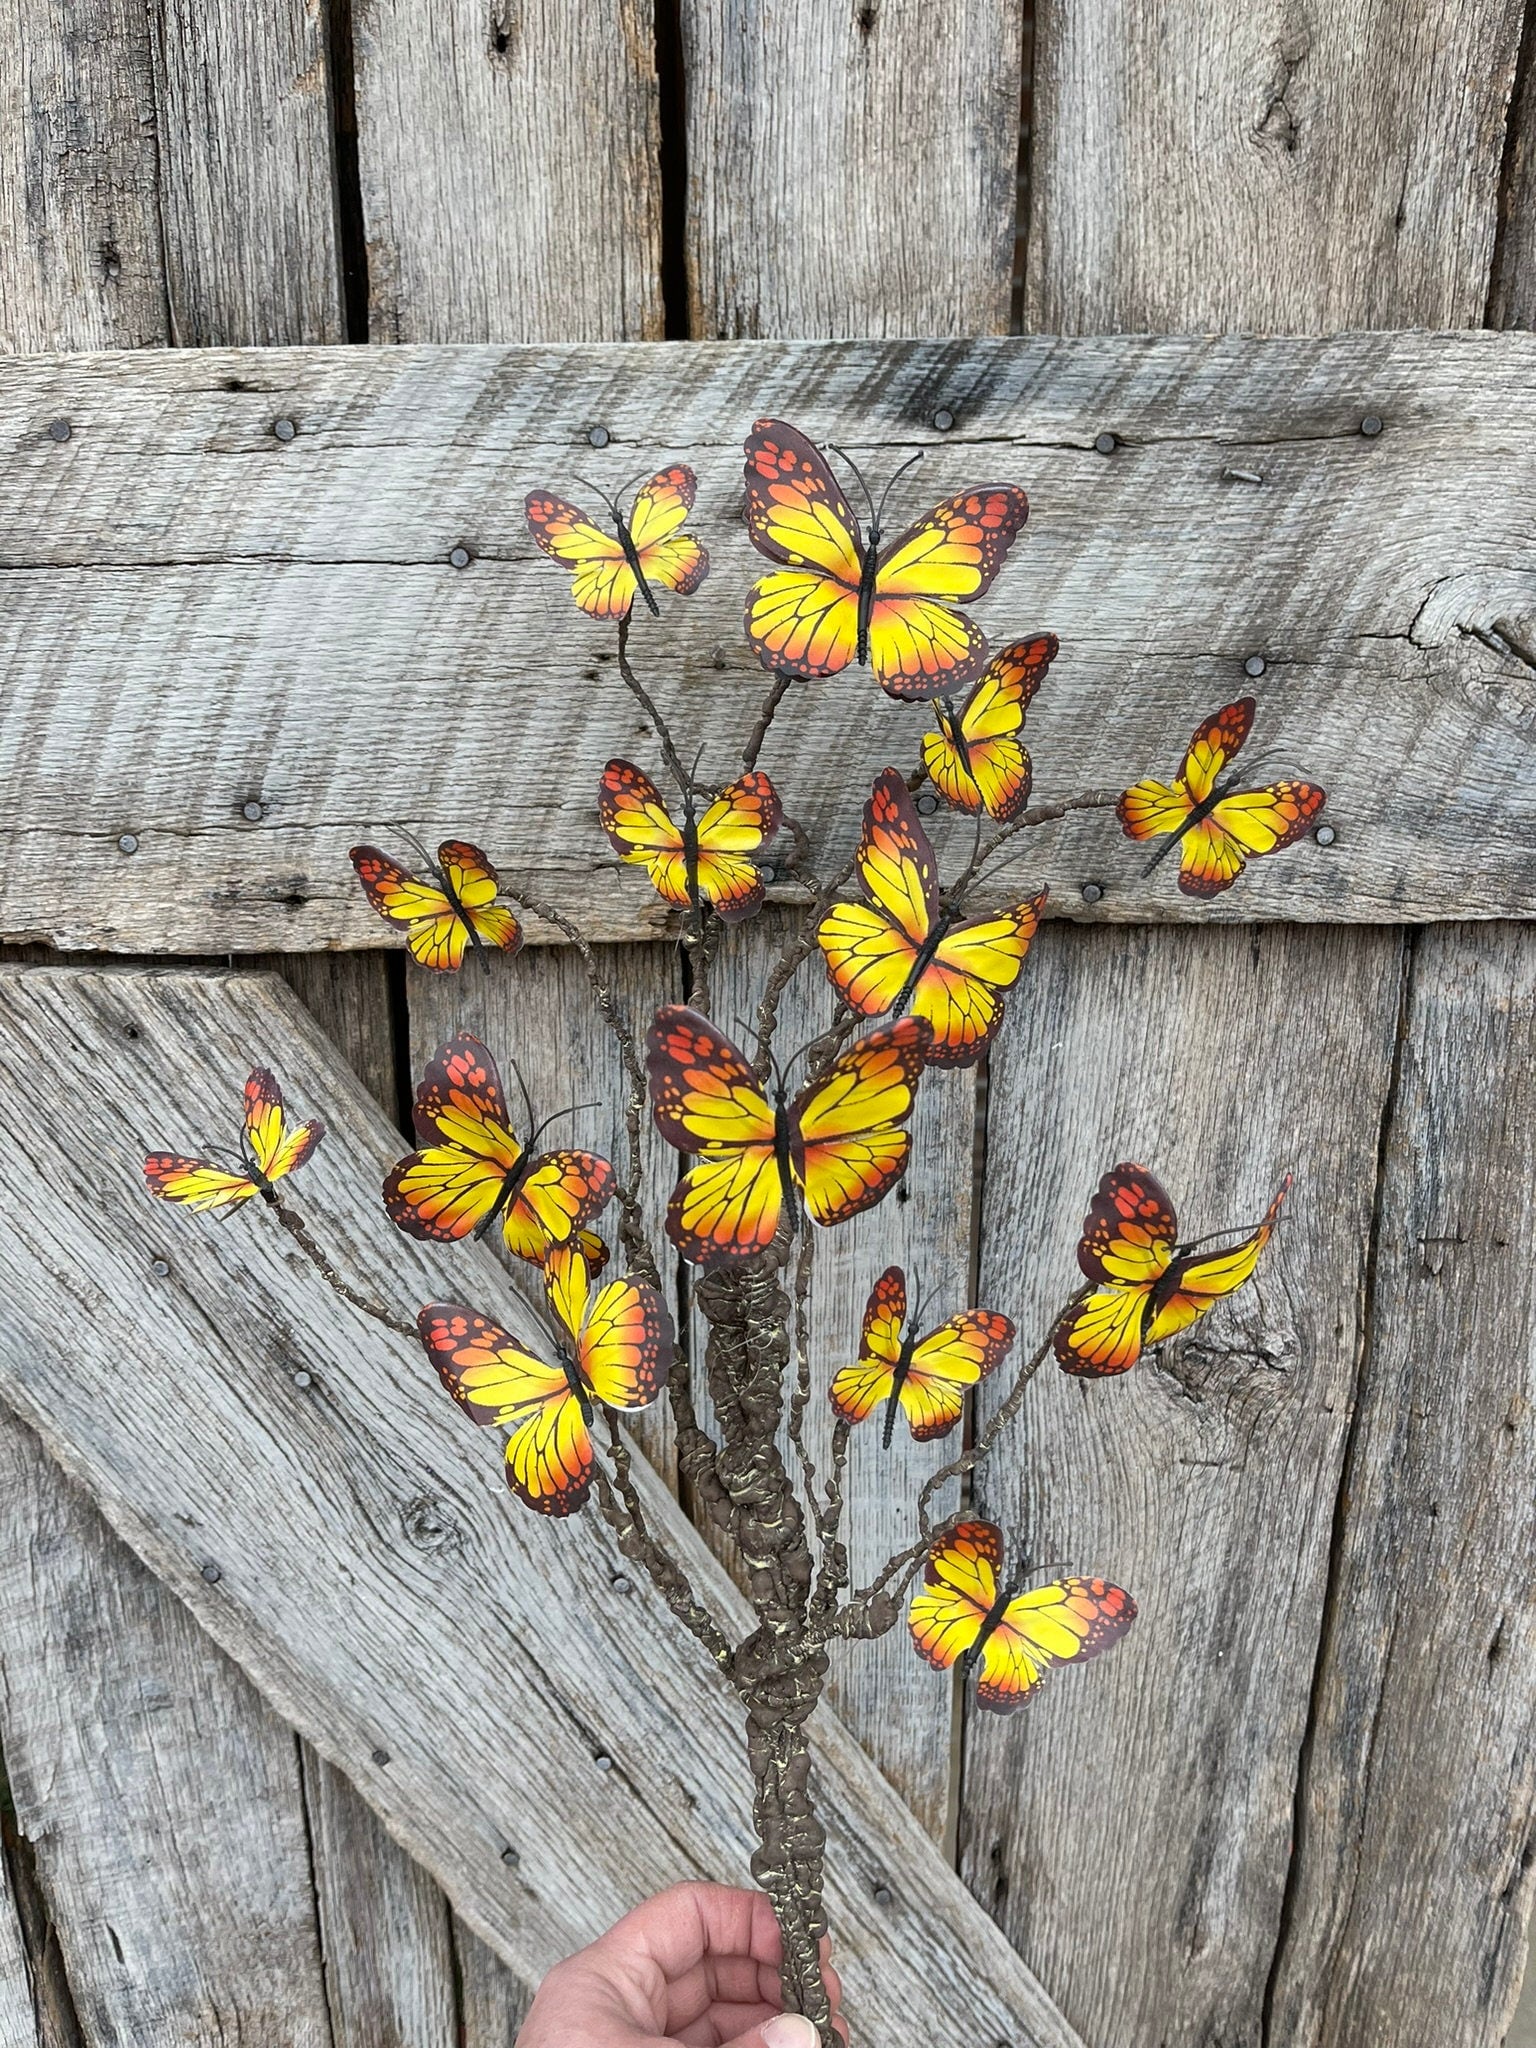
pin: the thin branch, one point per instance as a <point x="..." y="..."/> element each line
<point x="777" y="690"/>
<point x="1040" y="814"/>
<point x="297" y="1230"/>
<point x="622" y="1510"/>
<point x="832" y="1577"/>
<point x="643" y="698"/>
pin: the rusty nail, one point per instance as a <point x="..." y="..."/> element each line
<point x="1325" y="835"/>
<point x="160" y="1266"/>
<point x="460" y="557"/>
<point x="284" y="429"/>
<point x="1371" y="425"/>
<point x="510" y="1855"/>
<point x="212" y="1573"/>
<point x="127" y="842"/>
<point x="381" y="1756"/>
<point x="1106" y="443"/>
<point x="59" y="430"/>
<point x="1254" y="665"/>
<point x="303" y="1379"/>
<point x="599" y="436"/>
<point x="943" y="420"/>
<point x="252" y="811"/>
<point x="1092" y="892"/>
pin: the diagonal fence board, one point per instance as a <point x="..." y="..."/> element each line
<point x="1204" y="1480"/>
<point x="367" y="1571"/>
<point x="199" y="617"/>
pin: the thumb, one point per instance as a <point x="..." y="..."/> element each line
<point x="786" y="2030"/>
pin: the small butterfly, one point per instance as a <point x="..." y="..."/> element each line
<point x="272" y="1146"/>
<point x="1147" y="1286"/>
<point x="712" y="853"/>
<point x="976" y="760"/>
<point x="841" y="597"/>
<point x="1217" y="830"/>
<point x="927" y="1377"/>
<point x="901" y="946"/>
<point x="840" y="1145"/>
<point x="471" y="1171"/>
<point x="444" y="914"/>
<point x="961" y="1617"/>
<point x="618" y="1349"/>
<point x="609" y="570"/>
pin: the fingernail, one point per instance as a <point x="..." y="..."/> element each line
<point x="791" y="2030"/>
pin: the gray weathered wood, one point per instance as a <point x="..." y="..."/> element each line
<point x="492" y="2002"/>
<point x="18" y="2026"/>
<point x="1131" y="1832"/>
<point x="1512" y="284"/>
<point x="179" y="1895"/>
<point x="1264" y="165"/>
<point x="349" y="995"/>
<point x="851" y="169"/>
<point x="279" y="623"/>
<point x="509" y="165"/>
<point x="397" y="1609"/>
<point x="1419" y="1782"/>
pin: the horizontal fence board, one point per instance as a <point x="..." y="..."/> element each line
<point x="197" y="616"/>
<point x="372" y="1577"/>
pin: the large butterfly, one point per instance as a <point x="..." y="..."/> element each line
<point x="840" y="596"/>
<point x="961" y="1616"/>
<point x="927" y="1377"/>
<point x="712" y="853"/>
<point x="273" y="1147"/>
<point x="1218" y="830"/>
<point x="1147" y="1287"/>
<point x="609" y="570"/>
<point x="901" y="946"/>
<point x="841" y="1144"/>
<point x="618" y="1348"/>
<point x="976" y="760"/>
<point x="445" y="913"/>
<point x="471" y="1170"/>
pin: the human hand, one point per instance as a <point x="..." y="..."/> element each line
<point x="695" y="1967"/>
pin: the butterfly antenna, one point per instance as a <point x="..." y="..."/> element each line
<point x="910" y="463"/>
<point x="858" y="474"/>
<point x="537" y="1130"/>
<point x="404" y="832"/>
<point x="522" y="1089"/>
<point x="598" y="492"/>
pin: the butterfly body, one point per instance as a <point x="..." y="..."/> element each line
<point x="706" y="855"/>
<point x="925" y="1377"/>
<point x="647" y="548"/>
<point x="270" y="1147"/>
<point x="447" y="914"/>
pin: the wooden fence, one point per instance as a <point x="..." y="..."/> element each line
<point x="260" y="592"/>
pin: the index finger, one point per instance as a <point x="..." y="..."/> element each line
<point x="680" y="1927"/>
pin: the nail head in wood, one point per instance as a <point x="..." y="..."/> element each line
<point x="927" y="803"/>
<point x="303" y="1379"/>
<point x="460" y="558"/>
<point x="252" y="811"/>
<point x="160" y="1267"/>
<point x="212" y="1573"/>
<point x="284" y="429"/>
<point x="1242" y="476"/>
<point x="1093" y="892"/>
<point x="128" y="842"/>
<point x="381" y="1756"/>
<point x="602" y="1763"/>
<point x="1106" y="443"/>
<point x="1325" y="835"/>
<point x="1254" y="665"/>
<point x="943" y="420"/>
<point x="620" y="1583"/>
<point x="510" y="1855"/>
<point x="883" y="1894"/>
<point x="59" y="430"/>
<point x="599" y="437"/>
<point x="1371" y="425"/>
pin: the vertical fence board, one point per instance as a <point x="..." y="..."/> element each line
<point x="1416" y="1832"/>
<point x="1131" y="1831"/>
<point x="18" y="2022"/>
<point x="508" y="152"/>
<point x="492" y="2002"/>
<point x="851" y="168"/>
<point x="161" y="1799"/>
<point x="1255" y="164"/>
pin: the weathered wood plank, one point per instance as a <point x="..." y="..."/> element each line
<point x="179" y="1896"/>
<point x="351" y="997"/>
<point x="851" y="169"/>
<point x="1260" y="165"/>
<point x="492" y="2003"/>
<point x="18" y="2024"/>
<point x="1204" y="1482"/>
<point x="362" y="1609"/>
<point x="509" y="161"/>
<point x="350" y="679"/>
<point x="1419" y="1785"/>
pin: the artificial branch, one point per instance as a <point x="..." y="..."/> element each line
<point x="298" y="1231"/>
<point x="622" y="1509"/>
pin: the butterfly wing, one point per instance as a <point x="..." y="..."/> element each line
<point x="602" y="581"/>
<point x="277" y="1146"/>
<point x="919" y="644"/>
<point x="1197" y="1280"/>
<point x="673" y="560"/>
<point x="196" y="1183"/>
<point x="1241" y="827"/>
<point x="959" y="992"/>
<point x="436" y="936"/>
<point x="448" y="1188"/>
<point x="559" y="1194"/>
<point x="1068" y="1621"/>
<point x="642" y="830"/>
<point x="957" y="1355"/>
<point x="739" y="823"/>
<point x="857" y="1390"/>
<point x="474" y="882"/>
<point x="848" y="1136"/>
<point x="958" y="1592"/>
<point x="498" y="1381"/>
<point x="804" y="616"/>
<point x="871" y="948"/>
<point x="705" y="1100"/>
<point x="976" y="760"/>
<point x="1151" y="809"/>
<point x="1127" y="1245"/>
<point x="625" y="1349"/>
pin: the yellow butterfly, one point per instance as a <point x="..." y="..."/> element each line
<point x="926" y="1377"/>
<point x="446" y="914"/>
<point x="712" y="853"/>
<point x="610" y="570"/>
<point x="976" y="760"/>
<point x="273" y="1148"/>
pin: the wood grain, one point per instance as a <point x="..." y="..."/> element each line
<point x="19" y="2027"/>
<point x="179" y="1895"/>
<point x="850" y="169"/>
<point x="492" y="209"/>
<point x="1418" y="1788"/>
<point x="492" y="2002"/>
<point x="350" y="995"/>
<point x="1131" y="1832"/>
<point x="1266" y="165"/>
<point x="397" y="1593"/>
<point x="279" y="624"/>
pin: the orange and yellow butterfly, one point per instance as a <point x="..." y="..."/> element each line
<point x="609" y="570"/>
<point x="902" y="946"/>
<point x="712" y="853"/>
<point x="927" y="1377"/>
<point x="840" y="596"/>
<point x="976" y="760"/>
<point x="841" y="1144"/>
<point x="446" y="913"/>
<point x="961" y="1617"/>
<point x="472" y="1172"/>
<point x="1217" y="830"/>
<point x="1147" y="1287"/>
<point x="618" y="1349"/>
<point x="272" y="1147"/>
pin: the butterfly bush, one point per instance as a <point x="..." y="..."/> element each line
<point x="921" y="971"/>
